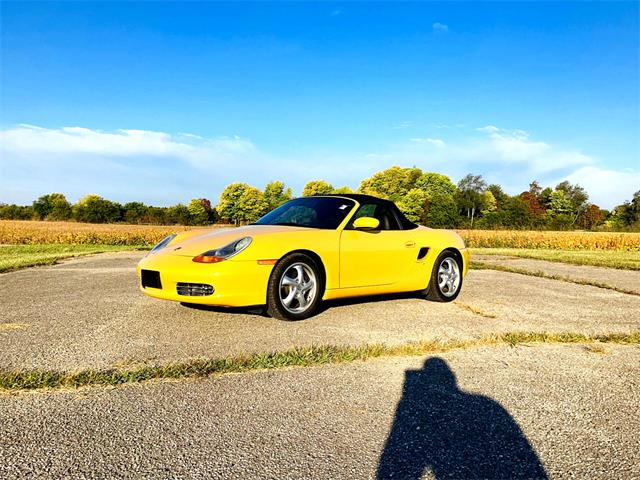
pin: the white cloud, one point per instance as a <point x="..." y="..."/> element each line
<point x="440" y="27"/>
<point x="488" y="129"/>
<point x="161" y="168"/>
<point x="433" y="141"/>
<point x="73" y="141"/>
<point x="405" y="124"/>
<point x="606" y="187"/>
<point x="513" y="158"/>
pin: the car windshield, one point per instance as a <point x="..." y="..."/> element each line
<point x="311" y="212"/>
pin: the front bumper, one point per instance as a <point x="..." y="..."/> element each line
<point x="236" y="283"/>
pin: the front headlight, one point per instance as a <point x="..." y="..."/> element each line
<point x="222" y="253"/>
<point x="163" y="243"/>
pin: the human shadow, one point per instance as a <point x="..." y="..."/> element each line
<point x="453" y="434"/>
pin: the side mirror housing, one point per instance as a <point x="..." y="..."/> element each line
<point x="366" y="223"/>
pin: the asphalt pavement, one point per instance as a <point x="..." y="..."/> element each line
<point x="558" y="411"/>
<point x="88" y="312"/>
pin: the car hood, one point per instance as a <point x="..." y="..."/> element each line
<point x="191" y="244"/>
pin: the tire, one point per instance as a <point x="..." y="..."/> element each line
<point x="444" y="287"/>
<point x="295" y="288"/>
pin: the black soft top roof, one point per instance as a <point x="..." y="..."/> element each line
<point x="361" y="197"/>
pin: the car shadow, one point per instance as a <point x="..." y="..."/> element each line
<point x="453" y="433"/>
<point x="260" y="310"/>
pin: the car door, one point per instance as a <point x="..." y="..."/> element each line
<point x="375" y="257"/>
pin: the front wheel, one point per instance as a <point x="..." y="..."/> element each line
<point x="446" y="278"/>
<point x="295" y="288"/>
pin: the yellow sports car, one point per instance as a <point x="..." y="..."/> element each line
<point x="307" y="250"/>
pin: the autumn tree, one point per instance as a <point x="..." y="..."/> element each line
<point x="534" y="205"/>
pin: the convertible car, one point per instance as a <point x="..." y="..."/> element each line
<point x="307" y="250"/>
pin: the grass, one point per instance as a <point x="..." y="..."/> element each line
<point x="297" y="357"/>
<point x="625" y="260"/>
<point x="474" y="310"/>
<point x="539" y="273"/>
<point x="13" y="257"/>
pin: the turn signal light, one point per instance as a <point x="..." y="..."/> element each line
<point x="207" y="259"/>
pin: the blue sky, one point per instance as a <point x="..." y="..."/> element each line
<point x="163" y="102"/>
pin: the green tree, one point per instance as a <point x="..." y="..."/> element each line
<point x="498" y="193"/>
<point x="413" y="205"/>
<point x="515" y="213"/>
<point x="470" y="190"/>
<point x="134" y="212"/>
<point x="628" y="214"/>
<point x="435" y="184"/>
<point x="15" y="212"/>
<point x="342" y="190"/>
<point x="178" y="214"/>
<point x="53" y="206"/>
<point x="252" y="205"/>
<point x="535" y="189"/>
<point x="155" y="216"/>
<point x="198" y="214"/>
<point x="488" y="203"/>
<point x="559" y="203"/>
<point x="95" y="209"/>
<point x="228" y="205"/>
<point x="275" y="194"/>
<point x="393" y="183"/>
<point x="441" y="211"/>
<point x="545" y="198"/>
<point x="316" y="187"/>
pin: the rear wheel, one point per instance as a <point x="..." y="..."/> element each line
<point x="295" y="288"/>
<point x="446" y="278"/>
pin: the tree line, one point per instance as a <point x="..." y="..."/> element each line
<point x="427" y="198"/>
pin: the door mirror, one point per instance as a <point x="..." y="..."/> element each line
<point x="366" y="223"/>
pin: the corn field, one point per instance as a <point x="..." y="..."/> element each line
<point x="551" y="240"/>
<point x="19" y="232"/>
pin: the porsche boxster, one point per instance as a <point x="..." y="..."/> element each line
<point x="307" y="250"/>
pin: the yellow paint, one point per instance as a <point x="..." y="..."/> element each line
<point x="356" y="262"/>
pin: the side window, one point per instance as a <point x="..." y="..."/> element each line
<point x="379" y="211"/>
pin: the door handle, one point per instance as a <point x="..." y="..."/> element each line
<point x="410" y="244"/>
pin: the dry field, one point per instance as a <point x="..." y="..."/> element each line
<point x="551" y="240"/>
<point x="19" y="232"/>
<point x="16" y="232"/>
